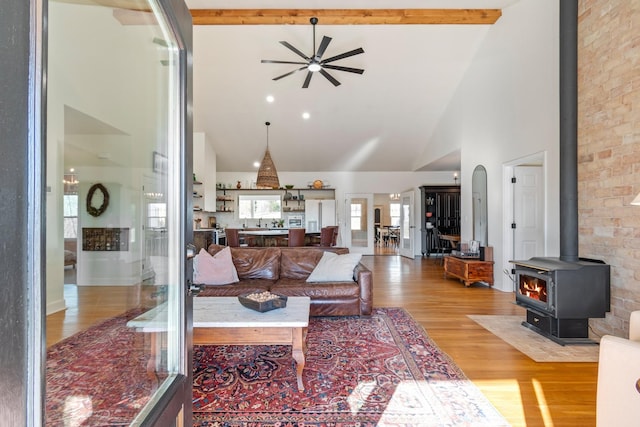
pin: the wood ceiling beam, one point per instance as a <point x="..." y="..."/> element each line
<point x="344" y="16"/>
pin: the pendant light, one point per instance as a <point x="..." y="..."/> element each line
<point x="267" y="174"/>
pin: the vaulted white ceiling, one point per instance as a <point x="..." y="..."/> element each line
<point x="381" y="120"/>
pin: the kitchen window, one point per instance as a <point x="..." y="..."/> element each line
<point x="260" y="206"/>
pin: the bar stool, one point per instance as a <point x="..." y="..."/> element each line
<point x="296" y="236"/>
<point x="326" y="237"/>
<point x="334" y="238"/>
<point x="233" y="237"/>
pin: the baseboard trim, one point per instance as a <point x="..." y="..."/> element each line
<point x="55" y="306"/>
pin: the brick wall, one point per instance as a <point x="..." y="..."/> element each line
<point x="609" y="149"/>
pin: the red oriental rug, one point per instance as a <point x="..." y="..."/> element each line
<point x="98" y="377"/>
<point x="360" y="371"/>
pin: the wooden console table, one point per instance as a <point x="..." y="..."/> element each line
<point x="469" y="270"/>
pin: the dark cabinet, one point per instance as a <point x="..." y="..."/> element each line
<point x="441" y="210"/>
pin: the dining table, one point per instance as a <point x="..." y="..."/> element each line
<point x="453" y="239"/>
<point x="387" y="234"/>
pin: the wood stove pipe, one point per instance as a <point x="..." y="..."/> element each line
<point x="568" y="107"/>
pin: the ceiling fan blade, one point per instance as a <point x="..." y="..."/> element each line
<point x="290" y="47"/>
<point x="289" y="73"/>
<point x="348" y="69"/>
<point x="271" y="61"/>
<point x="343" y="55"/>
<point x="307" y="80"/>
<point x="330" y="78"/>
<point x="323" y="46"/>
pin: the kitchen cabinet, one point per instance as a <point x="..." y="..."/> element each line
<point x="440" y="206"/>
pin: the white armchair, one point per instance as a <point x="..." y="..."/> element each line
<point x="618" y="398"/>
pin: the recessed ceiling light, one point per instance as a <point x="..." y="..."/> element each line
<point x="306" y="115"/>
<point x="256" y="164"/>
<point x="270" y="98"/>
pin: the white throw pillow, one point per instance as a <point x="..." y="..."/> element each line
<point x="214" y="270"/>
<point x="335" y="268"/>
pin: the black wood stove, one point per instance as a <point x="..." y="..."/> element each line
<point x="561" y="296"/>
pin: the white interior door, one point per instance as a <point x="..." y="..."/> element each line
<point x="359" y="229"/>
<point x="528" y="204"/>
<point x="406" y="239"/>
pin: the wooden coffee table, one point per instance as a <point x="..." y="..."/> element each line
<point x="224" y="321"/>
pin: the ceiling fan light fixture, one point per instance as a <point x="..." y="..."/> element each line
<point x="313" y="67"/>
<point x="315" y="63"/>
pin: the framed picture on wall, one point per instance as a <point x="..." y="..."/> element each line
<point x="160" y="163"/>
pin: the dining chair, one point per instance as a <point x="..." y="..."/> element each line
<point x="438" y="246"/>
<point x="393" y="236"/>
<point x="296" y="236"/>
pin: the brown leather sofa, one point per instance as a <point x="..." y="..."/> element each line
<point x="284" y="271"/>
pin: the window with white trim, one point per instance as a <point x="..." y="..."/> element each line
<point x="70" y="206"/>
<point x="259" y="206"/>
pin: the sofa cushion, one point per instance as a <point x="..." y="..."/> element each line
<point x="331" y="290"/>
<point x="235" y="289"/>
<point x="298" y="263"/>
<point x="214" y="270"/>
<point x="257" y="263"/>
<point x="335" y="268"/>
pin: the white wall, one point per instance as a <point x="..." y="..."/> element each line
<point x="114" y="268"/>
<point x="506" y="108"/>
<point x="204" y="167"/>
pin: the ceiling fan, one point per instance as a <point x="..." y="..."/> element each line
<point x="315" y="63"/>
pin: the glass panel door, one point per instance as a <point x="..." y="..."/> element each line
<point x="116" y="320"/>
<point x="360" y="229"/>
<point x="407" y="228"/>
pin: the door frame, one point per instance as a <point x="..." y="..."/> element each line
<point x="23" y="260"/>
<point x="508" y="208"/>
<point x="24" y="193"/>
<point x="365" y="250"/>
<point x="409" y="251"/>
<point x="172" y="403"/>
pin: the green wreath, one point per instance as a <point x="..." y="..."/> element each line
<point x="105" y="202"/>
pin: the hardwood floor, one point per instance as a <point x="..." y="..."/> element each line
<point x="525" y="392"/>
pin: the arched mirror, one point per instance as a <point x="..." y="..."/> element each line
<point x="479" y="194"/>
